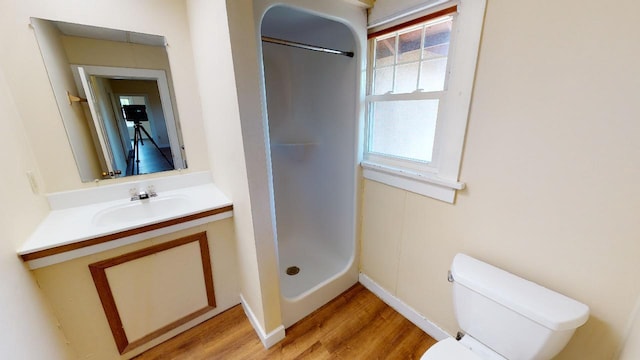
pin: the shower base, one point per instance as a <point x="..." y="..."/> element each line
<point x="317" y="263"/>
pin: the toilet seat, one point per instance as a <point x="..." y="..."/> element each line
<point x="449" y="349"/>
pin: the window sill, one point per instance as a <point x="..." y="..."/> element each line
<point x="420" y="183"/>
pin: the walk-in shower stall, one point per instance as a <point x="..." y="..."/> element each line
<point x="313" y="113"/>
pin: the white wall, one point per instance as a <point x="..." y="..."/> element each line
<point x="550" y="163"/>
<point x="28" y="329"/>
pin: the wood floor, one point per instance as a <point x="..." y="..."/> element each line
<point x="355" y="325"/>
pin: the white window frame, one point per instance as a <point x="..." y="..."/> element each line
<point x="439" y="178"/>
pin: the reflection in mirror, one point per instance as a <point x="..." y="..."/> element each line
<point x="120" y="134"/>
<point x="113" y="89"/>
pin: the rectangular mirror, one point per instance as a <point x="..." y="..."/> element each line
<point x="115" y="95"/>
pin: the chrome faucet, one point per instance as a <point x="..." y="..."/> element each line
<point x="142" y="195"/>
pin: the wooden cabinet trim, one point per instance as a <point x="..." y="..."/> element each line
<point x="100" y="280"/>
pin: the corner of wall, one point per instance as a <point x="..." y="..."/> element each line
<point x="405" y="310"/>
<point x="27" y="317"/>
<point x="268" y="340"/>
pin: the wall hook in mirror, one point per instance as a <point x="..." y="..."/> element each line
<point x="73" y="98"/>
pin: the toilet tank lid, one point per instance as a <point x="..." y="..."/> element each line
<point x="546" y="307"/>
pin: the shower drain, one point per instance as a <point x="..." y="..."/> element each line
<point x="293" y="270"/>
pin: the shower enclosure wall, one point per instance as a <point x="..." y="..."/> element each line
<point x="312" y="103"/>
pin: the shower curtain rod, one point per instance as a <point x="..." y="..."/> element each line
<point x="306" y="46"/>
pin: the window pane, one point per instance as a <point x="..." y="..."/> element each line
<point x="436" y="39"/>
<point x="403" y="128"/>
<point x="383" y="80"/>
<point x="409" y="46"/>
<point x="432" y="74"/>
<point x="436" y="51"/>
<point x="406" y="78"/>
<point x="385" y="51"/>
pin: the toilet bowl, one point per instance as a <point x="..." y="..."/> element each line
<point x="450" y="348"/>
<point x="505" y="317"/>
<point x="466" y="348"/>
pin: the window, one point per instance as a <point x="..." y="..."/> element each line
<point x="420" y="77"/>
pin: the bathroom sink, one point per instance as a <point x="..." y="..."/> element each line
<point x="141" y="210"/>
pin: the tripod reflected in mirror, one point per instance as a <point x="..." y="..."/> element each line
<point x="137" y="114"/>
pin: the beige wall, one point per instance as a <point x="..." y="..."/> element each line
<point x="29" y="83"/>
<point x="256" y="256"/>
<point x="86" y="155"/>
<point x="551" y="163"/>
<point x="551" y="127"/>
<point x="29" y="328"/>
<point x="85" y="51"/>
<point x="631" y="346"/>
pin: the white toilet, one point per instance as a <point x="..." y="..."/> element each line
<point x="504" y="316"/>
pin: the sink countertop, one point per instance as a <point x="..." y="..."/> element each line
<point x="76" y="224"/>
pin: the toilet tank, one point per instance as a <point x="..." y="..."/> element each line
<point x="516" y="318"/>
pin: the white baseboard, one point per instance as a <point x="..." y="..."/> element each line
<point x="405" y="310"/>
<point x="268" y="340"/>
